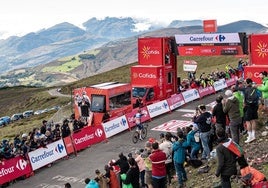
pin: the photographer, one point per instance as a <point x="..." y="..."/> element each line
<point x="203" y="119"/>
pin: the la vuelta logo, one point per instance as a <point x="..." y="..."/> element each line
<point x="147" y="52"/>
<point x="262" y="49"/>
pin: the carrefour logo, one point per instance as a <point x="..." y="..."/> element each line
<point x="165" y="105"/>
<point x="220" y="38"/>
<point x="59" y="148"/>
<point x="21" y="164"/>
<point x="98" y="133"/>
<point x="123" y="122"/>
<point x="147" y="52"/>
<point x="262" y="49"/>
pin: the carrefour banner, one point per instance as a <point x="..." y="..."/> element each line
<point x="212" y="38"/>
<point x="220" y="84"/>
<point x="89" y="135"/>
<point x="190" y="95"/>
<point x="46" y="155"/>
<point x="14" y="168"/>
<point x="158" y="108"/>
<point x="115" y="126"/>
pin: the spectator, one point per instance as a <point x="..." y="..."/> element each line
<point x="158" y="159"/>
<point x="100" y="179"/>
<point x="264" y="89"/>
<point x="139" y="103"/>
<point x="166" y="146"/>
<point x="148" y="164"/>
<point x="231" y="107"/>
<point x="240" y="97"/>
<point x="65" y="129"/>
<point x="43" y="127"/>
<point x="57" y="132"/>
<point x="141" y="166"/>
<point x="226" y="166"/>
<point x="193" y="140"/>
<point x="67" y="185"/>
<point x="90" y="183"/>
<point x="179" y="149"/>
<point x="251" y="112"/>
<point x="245" y="169"/>
<point x="122" y="163"/>
<point x="217" y="112"/>
<point x="17" y="142"/>
<point x="132" y="175"/>
<point x="111" y="177"/>
<point x="203" y="119"/>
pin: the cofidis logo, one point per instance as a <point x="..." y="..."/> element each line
<point x="147" y="52"/>
<point x="262" y="49"/>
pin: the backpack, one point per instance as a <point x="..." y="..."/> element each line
<point x="197" y="136"/>
<point x="252" y="96"/>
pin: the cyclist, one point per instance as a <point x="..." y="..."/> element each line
<point x="137" y="120"/>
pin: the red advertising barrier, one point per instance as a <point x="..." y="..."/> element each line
<point x="14" y="168"/>
<point x="88" y="136"/>
<point x="175" y="101"/>
<point x="130" y="116"/>
<point x="206" y="91"/>
<point x="231" y="81"/>
<point x="68" y="145"/>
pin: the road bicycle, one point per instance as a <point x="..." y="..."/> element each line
<point x="136" y="134"/>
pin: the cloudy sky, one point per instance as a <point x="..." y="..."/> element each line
<point x="19" y="17"/>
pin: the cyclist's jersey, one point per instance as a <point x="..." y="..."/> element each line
<point x="137" y="118"/>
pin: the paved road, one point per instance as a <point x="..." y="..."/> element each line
<point x="56" y="92"/>
<point x="76" y="169"/>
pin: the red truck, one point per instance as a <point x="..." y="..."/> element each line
<point x="155" y="76"/>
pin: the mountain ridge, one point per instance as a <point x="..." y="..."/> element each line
<point x="90" y="51"/>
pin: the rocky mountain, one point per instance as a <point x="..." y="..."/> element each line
<point x="65" y="53"/>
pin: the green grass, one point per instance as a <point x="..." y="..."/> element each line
<point x="65" y="67"/>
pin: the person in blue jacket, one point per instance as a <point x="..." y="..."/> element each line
<point x="91" y="183"/>
<point x="193" y="140"/>
<point x="179" y="157"/>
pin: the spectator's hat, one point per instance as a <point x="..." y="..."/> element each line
<point x="151" y="140"/>
<point x="24" y="135"/>
<point x="228" y="93"/>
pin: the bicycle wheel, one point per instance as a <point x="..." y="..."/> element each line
<point x="144" y="132"/>
<point x="135" y="137"/>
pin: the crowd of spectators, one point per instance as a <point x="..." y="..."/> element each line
<point x="206" y="80"/>
<point x="47" y="133"/>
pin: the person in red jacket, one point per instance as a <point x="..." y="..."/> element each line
<point x="158" y="158"/>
